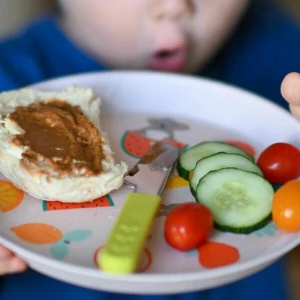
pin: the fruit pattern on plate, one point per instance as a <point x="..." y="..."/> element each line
<point x="206" y="253"/>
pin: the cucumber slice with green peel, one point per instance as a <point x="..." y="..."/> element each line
<point x="188" y="159"/>
<point x="218" y="161"/>
<point x="240" y="201"/>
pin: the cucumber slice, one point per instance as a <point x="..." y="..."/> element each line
<point x="240" y="201"/>
<point x="219" y="161"/>
<point x="188" y="159"/>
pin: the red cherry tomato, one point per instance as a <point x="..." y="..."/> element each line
<point x="188" y="225"/>
<point x="280" y="163"/>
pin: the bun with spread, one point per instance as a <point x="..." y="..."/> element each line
<point x="52" y="145"/>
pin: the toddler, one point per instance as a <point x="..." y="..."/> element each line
<point x="250" y="44"/>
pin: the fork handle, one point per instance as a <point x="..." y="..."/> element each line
<point x="125" y="243"/>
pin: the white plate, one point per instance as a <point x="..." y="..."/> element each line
<point x="62" y="243"/>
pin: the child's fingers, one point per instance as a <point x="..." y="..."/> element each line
<point x="9" y="263"/>
<point x="4" y="252"/>
<point x="290" y="88"/>
<point x="295" y="110"/>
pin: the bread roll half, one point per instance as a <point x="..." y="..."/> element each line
<point x="39" y="176"/>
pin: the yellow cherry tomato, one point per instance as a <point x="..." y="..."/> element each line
<point x="286" y="206"/>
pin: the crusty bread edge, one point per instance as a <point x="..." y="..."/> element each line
<point x="42" y="185"/>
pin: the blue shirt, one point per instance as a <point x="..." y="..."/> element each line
<point x="257" y="57"/>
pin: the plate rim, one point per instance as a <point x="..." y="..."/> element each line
<point x="150" y="277"/>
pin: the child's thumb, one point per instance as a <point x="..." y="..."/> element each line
<point x="290" y="90"/>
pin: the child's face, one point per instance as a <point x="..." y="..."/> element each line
<point x="167" y="35"/>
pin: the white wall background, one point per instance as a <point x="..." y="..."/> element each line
<point x="15" y="13"/>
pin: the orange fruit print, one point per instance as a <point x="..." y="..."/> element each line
<point x="175" y="182"/>
<point x="38" y="233"/>
<point x="243" y="145"/>
<point x="214" y="254"/>
<point x="10" y="196"/>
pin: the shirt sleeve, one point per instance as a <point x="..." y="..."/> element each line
<point x="19" y="65"/>
<point x="41" y="51"/>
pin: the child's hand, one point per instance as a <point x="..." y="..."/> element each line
<point x="9" y="263"/>
<point x="290" y="90"/>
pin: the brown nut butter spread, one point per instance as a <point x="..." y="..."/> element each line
<point x="61" y="135"/>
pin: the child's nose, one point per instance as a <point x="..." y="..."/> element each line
<point x="171" y="9"/>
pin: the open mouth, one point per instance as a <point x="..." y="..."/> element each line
<point x="168" y="60"/>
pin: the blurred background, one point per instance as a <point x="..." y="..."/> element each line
<point x="15" y="13"/>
